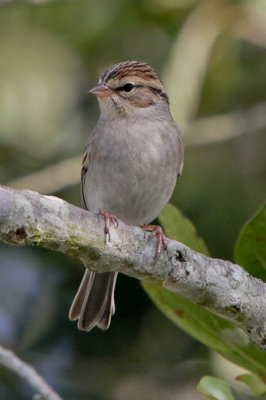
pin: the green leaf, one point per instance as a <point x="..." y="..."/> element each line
<point x="211" y="330"/>
<point x="215" y="388"/>
<point x="256" y="383"/>
<point x="250" y="250"/>
<point x="180" y="228"/>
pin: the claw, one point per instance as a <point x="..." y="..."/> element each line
<point x="161" y="239"/>
<point x="107" y="218"/>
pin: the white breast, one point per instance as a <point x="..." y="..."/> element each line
<point x="132" y="174"/>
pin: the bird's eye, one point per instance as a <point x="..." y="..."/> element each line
<point x="127" y="87"/>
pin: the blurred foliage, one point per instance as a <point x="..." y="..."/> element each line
<point x="250" y="251"/>
<point x="211" y="330"/>
<point x="256" y="383"/>
<point x="211" y="56"/>
<point x="215" y="389"/>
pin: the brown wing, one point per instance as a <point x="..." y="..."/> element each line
<point x="84" y="170"/>
<point x="94" y="301"/>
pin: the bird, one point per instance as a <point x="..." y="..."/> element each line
<point x="130" y="166"/>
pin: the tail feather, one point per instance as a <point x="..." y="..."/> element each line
<point x="94" y="303"/>
<point x="109" y="310"/>
<point x="84" y="288"/>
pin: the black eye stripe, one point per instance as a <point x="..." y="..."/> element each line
<point x="126" y="88"/>
<point x="135" y="86"/>
<point x="159" y="91"/>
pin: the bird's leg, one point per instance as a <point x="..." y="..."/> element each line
<point x="107" y="218"/>
<point x="161" y="238"/>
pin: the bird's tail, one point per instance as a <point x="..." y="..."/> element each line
<point x="94" y="303"/>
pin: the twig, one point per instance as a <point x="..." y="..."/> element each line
<point x="53" y="178"/>
<point x="224" y="288"/>
<point x="9" y="360"/>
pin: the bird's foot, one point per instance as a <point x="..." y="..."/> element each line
<point x="107" y="218"/>
<point x="161" y="238"/>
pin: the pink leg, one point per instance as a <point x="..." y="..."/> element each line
<point x="161" y="238"/>
<point x="107" y="218"/>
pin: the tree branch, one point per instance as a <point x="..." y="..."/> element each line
<point x="9" y="360"/>
<point x="224" y="288"/>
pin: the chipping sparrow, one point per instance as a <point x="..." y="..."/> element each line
<point x="130" y="167"/>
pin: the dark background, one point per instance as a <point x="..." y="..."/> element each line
<point x="211" y="57"/>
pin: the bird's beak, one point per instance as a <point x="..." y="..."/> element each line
<point x="100" y="90"/>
